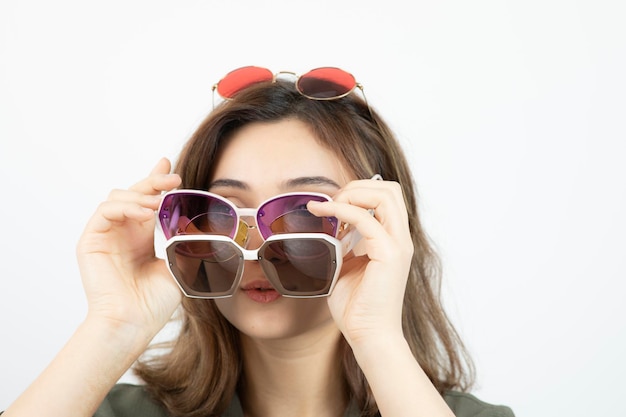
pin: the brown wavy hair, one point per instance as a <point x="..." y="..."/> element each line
<point x="200" y="371"/>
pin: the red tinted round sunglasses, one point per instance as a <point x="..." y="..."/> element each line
<point x="325" y="83"/>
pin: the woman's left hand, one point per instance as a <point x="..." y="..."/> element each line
<point x="368" y="296"/>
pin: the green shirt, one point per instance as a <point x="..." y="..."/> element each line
<point x="127" y="400"/>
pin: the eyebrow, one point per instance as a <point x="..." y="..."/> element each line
<point x="289" y="184"/>
<point x="229" y="183"/>
<point x="300" y="181"/>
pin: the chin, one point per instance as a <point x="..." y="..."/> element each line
<point x="280" y="319"/>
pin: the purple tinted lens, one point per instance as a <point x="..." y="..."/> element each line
<point x="288" y="214"/>
<point x="191" y="213"/>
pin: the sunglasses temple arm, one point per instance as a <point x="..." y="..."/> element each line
<point x="213" y="95"/>
<point x="159" y="240"/>
<point x="350" y="240"/>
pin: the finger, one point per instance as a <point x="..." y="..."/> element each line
<point x="370" y="189"/>
<point x="379" y="243"/>
<point x="163" y="166"/>
<point x="385" y="202"/>
<point x="112" y="212"/>
<point x="144" y="200"/>
<point x="159" y="180"/>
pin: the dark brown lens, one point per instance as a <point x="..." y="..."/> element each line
<point x="302" y="266"/>
<point x="205" y="268"/>
<point x="326" y="83"/>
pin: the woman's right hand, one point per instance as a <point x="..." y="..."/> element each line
<point x="130" y="294"/>
<point x="126" y="285"/>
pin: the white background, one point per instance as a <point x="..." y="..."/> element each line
<point x="512" y="112"/>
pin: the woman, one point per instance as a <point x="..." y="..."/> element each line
<point x="378" y="344"/>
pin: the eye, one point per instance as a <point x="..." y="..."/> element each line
<point x="298" y="220"/>
<point x="213" y="217"/>
<point x="289" y="214"/>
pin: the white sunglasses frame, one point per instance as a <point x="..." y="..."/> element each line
<point x="342" y="248"/>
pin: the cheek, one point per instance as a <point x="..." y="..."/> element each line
<point x="226" y="307"/>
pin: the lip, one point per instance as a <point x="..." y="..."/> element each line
<point x="257" y="284"/>
<point x="260" y="291"/>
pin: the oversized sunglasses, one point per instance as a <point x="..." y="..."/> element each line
<point x="301" y="265"/>
<point x="196" y="212"/>
<point x="326" y="83"/>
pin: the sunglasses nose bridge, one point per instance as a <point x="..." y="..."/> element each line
<point x="250" y="254"/>
<point x="248" y="216"/>
<point x="253" y="237"/>
<point x="285" y="74"/>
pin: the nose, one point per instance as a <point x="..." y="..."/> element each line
<point x="241" y="238"/>
<point x="248" y="235"/>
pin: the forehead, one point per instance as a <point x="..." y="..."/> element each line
<point x="269" y="155"/>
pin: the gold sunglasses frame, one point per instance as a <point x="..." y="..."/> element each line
<point x="275" y="77"/>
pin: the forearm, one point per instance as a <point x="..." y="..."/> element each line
<point x="399" y="384"/>
<point x="82" y="373"/>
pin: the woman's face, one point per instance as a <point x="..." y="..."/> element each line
<point x="260" y="161"/>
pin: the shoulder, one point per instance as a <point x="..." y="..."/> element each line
<point x="466" y="405"/>
<point x="126" y="400"/>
